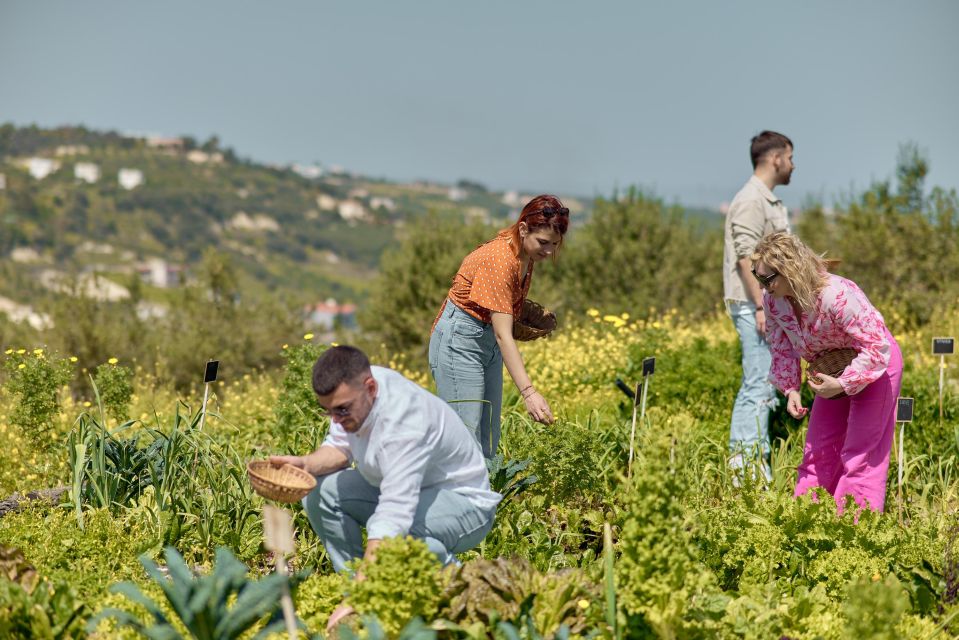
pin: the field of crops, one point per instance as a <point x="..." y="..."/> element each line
<point x="582" y="547"/>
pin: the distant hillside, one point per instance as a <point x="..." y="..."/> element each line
<point x="145" y="209"/>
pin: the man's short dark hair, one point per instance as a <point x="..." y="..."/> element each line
<point x="338" y="365"/>
<point x="765" y="142"/>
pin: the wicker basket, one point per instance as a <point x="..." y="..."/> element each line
<point x="534" y="322"/>
<point x="283" y="484"/>
<point x="832" y="363"/>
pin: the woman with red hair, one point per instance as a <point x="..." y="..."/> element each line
<point x="472" y="336"/>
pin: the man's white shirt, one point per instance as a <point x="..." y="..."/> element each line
<point x="412" y="440"/>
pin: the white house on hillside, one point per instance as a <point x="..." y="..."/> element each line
<point x="512" y="199"/>
<point x="160" y="273"/>
<point x="197" y="156"/>
<point x="308" y="171"/>
<point x="71" y="150"/>
<point x="130" y="178"/>
<point x="377" y="202"/>
<point x="170" y="145"/>
<point x="86" y="171"/>
<point x="352" y="210"/>
<point x="326" y="202"/>
<point x="328" y="314"/>
<point x="40" y="168"/>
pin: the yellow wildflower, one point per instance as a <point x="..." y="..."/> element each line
<point x="583" y="603"/>
<point x="112" y="361"/>
<point x="334" y="344"/>
<point x="38" y="352"/>
<point x="8" y="351"/>
<point x="20" y="352"/>
<point x="21" y="366"/>
<point x="286" y="346"/>
<point x="308" y="336"/>
<point x="592" y="312"/>
<point x="73" y="358"/>
<point x="86" y="404"/>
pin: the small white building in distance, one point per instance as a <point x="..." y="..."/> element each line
<point x="160" y="273"/>
<point x="308" y="171"/>
<point x="512" y="199"/>
<point x="40" y="168"/>
<point x="378" y="202"/>
<point x="24" y="254"/>
<point x="197" y="156"/>
<point x="456" y="194"/>
<point x="71" y="150"/>
<point x="326" y="202"/>
<point x="352" y="210"/>
<point x="169" y="145"/>
<point x="130" y="178"/>
<point x="86" y="171"/>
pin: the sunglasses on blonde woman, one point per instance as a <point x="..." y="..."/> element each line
<point x="765" y="279"/>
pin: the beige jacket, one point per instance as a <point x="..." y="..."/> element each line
<point x="754" y="213"/>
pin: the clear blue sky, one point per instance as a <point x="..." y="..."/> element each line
<point x="571" y="97"/>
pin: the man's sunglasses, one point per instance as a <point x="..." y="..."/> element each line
<point x="765" y="280"/>
<point x="339" y="412"/>
<point x="549" y="212"/>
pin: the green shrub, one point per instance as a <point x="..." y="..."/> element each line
<point x="663" y="586"/>
<point x="297" y="411"/>
<point x="403" y="582"/>
<point x="36" y="378"/>
<point x="114" y="384"/>
<point x="317" y="596"/>
<point x="483" y="592"/>
<point x="88" y="559"/>
<point x="46" y="612"/>
<point x="874" y="609"/>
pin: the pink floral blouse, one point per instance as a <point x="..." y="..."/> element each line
<point x="843" y="318"/>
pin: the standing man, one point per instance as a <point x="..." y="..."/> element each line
<point x="418" y="470"/>
<point x="753" y="213"/>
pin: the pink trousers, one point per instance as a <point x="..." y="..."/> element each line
<point x="850" y="438"/>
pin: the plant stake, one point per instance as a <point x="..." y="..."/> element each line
<point x="649" y="367"/>
<point x="903" y="415"/>
<point x="208" y="376"/>
<point x="278" y="538"/>
<point x="632" y="431"/>
<point x="942" y="347"/>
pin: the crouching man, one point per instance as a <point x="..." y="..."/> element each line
<point x="418" y="469"/>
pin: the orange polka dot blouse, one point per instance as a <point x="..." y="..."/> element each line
<point x="489" y="280"/>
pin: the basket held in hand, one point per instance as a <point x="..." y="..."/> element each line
<point x="283" y="484"/>
<point x="833" y="363"/>
<point x="534" y="322"/>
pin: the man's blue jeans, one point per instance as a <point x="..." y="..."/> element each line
<point x="343" y="502"/>
<point x="749" y="430"/>
<point x="467" y="366"/>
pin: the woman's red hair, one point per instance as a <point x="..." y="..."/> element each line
<point x="542" y="212"/>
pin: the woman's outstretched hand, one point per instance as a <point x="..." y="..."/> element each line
<point x="538" y="408"/>
<point x="794" y="405"/>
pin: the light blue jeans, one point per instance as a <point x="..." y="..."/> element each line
<point x="467" y="366"/>
<point x="343" y="502"/>
<point x="749" y="430"/>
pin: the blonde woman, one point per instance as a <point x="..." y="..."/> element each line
<point x="809" y="312"/>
